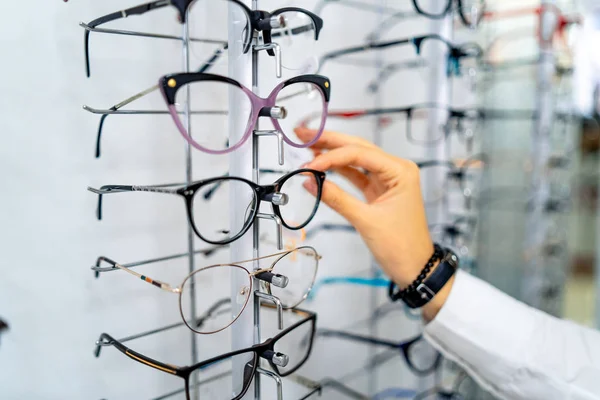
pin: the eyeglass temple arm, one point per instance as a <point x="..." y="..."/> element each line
<point x="107" y="340"/>
<point x="97" y="268"/>
<point x="110" y="189"/>
<point x="158" y="284"/>
<point x="359" y="49"/>
<point x="388" y="70"/>
<point x="137" y="10"/>
<point x="112" y="110"/>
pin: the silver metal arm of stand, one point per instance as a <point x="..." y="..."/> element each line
<point x="280" y="143"/>
<point x="277" y="49"/>
<point x="276" y="378"/>
<point x="148" y="35"/>
<point x="277" y="220"/>
<point x="274" y="300"/>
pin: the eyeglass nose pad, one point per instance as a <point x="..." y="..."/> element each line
<point x="242" y="294"/>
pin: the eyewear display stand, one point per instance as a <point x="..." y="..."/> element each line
<point x="538" y="276"/>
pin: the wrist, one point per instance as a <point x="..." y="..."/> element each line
<point x="431" y="283"/>
<point x="431" y="309"/>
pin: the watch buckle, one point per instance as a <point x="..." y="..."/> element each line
<point x="425" y="291"/>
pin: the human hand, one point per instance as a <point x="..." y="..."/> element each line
<point x="391" y="219"/>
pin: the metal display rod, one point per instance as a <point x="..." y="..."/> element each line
<point x="189" y="178"/>
<point x="536" y="273"/>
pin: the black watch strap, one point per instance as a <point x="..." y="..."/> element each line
<point x="425" y="291"/>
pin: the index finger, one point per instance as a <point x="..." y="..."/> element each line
<point x="371" y="159"/>
<point x="330" y="140"/>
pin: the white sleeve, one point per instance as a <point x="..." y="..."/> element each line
<point x="512" y="350"/>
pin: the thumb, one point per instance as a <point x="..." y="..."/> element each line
<point x="343" y="203"/>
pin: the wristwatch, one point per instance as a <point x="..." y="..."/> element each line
<point x="427" y="290"/>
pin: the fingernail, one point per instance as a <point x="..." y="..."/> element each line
<point x="305" y="165"/>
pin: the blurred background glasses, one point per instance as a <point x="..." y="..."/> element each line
<point x="288" y="275"/>
<point x="234" y="224"/>
<point x="443" y="179"/>
<point x="459" y="57"/>
<point x="559" y="34"/>
<point x="297" y="341"/>
<point x="421" y="358"/>
<point x="420" y="130"/>
<point x="283" y="23"/>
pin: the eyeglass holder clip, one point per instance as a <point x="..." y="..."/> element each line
<point x="280" y="146"/>
<point x="276" y="378"/>
<point x="274" y="300"/>
<point x="277" y="50"/>
<point x="279" y="227"/>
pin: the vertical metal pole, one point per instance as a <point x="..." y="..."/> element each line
<point x="439" y="91"/>
<point x="189" y="178"/>
<point x="536" y="274"/>
<point x="256" y="227"/>
<point x="243" y="332"/>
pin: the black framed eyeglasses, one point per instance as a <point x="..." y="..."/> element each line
<point x="423" y="45"/>
<point x="420" y="356"/>
<point x="296" y="341"/>
<point x="281" y="22"/>
<point x="293" y="211"/>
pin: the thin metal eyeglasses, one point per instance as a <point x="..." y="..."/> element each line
<point x="197" y="210"/>
<point x="212" y="317"/>
<point x="282" y="364"/>
<point x="271" y="24"/>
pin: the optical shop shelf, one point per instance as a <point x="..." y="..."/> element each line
<point x="280" y="298"/>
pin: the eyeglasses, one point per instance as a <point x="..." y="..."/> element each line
<point x="424" y="45"/>
<point x="209" y="92"/>
<point x="283" y="22"/>
<point x="469" y="11"/>
<point x="421" y="358"/>
<point x="419" y="129"/>
<point x="200" y="208"/>
<point x="558" y="25"/>
<point x="289" y="278"/>
<point x="284" y="106"/>
<point x="297" y="341"/>
<point x="440" y="176"/>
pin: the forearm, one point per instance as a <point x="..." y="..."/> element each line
<point x="512" y="350"/>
